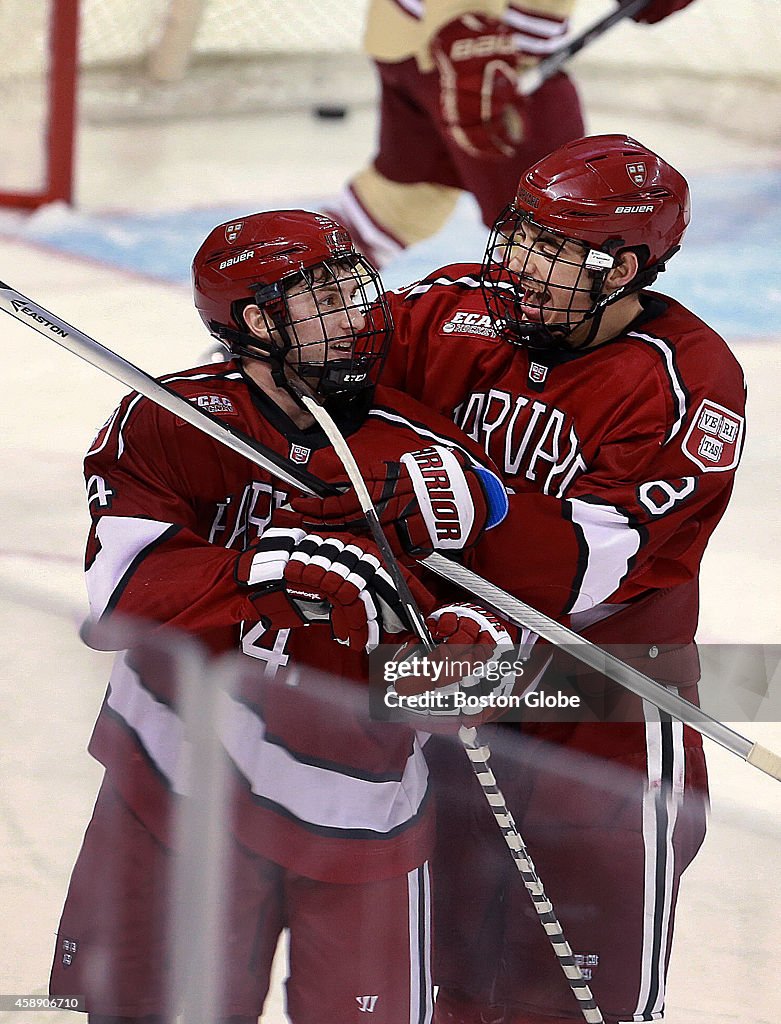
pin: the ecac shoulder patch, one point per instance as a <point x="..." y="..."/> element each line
<point x="217" y="404"/>
<point x="465" y="321"/>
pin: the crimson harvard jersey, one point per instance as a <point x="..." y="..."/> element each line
<point x="620" y="459"/>
<point x="319" y="787"/>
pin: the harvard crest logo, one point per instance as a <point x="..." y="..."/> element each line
<point x="537" y="373"/>
<point x="232" y="231"/>
<point x="714" y="440"/>
<point x="637" y="172"/>
<point x="300" y="454"/>
<point x="338" y="241"/>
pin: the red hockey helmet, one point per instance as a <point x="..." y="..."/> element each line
<point x="606" y="193"/>
<point x="337" y="337"/>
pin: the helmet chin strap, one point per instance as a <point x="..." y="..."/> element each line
<point x="601" y="263"/>
<point x="595" y="319"/>
<point x="277" y="360"/>
<point x="268" y="298"/>
<point x="598" y="311"/>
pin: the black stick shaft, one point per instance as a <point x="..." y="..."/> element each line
<point x="531" y="80"/>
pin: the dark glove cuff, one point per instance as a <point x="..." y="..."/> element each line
<point x="276" y="609"/>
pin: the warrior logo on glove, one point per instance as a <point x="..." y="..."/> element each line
<point x="447" y="507"/>
<point x="436" y="498"/>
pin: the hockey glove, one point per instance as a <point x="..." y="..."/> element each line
<point x="464" y="669"/>
<point x="659" y="9"/>
<point x="477" y="61"/>
<point x="298" y="578"/>
<point x="437" y="499"/>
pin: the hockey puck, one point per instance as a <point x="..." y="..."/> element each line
<point x="331" y="112"/>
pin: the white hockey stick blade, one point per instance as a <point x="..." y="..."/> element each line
<point x="52" y="327"/>
<point x="531" y="80"/>
<point x="602" y="661"/>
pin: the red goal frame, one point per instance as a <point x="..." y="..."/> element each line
<point x="60" y="118"/>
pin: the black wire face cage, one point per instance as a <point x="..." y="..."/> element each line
<point x="535" y="295"/>
<point x="329" y="324"/>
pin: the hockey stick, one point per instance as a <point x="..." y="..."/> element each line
<point x="478" y="753"/>
<point x="52" y="327"/>
<point x="531" y="80"/>
<point x="522" y="614"/>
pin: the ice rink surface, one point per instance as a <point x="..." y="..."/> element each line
<point x="117" y="268"/>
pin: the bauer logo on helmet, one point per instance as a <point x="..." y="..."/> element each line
<point x="248" y="254"/>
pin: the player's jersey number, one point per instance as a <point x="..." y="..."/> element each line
<point x="660" y="496"/>
<point x="274" y="655"/>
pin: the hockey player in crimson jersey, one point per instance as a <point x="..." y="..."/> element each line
<point x="616" y="417"/>
<point x="451" y="118"/>
<point x="331" y="810"/>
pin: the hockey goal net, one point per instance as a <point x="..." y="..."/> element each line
<point x="713" y="64"/>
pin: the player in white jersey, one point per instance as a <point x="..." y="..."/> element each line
<point x="451" y="119"/>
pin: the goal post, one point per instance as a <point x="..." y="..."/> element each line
<point x="38" y="100"/>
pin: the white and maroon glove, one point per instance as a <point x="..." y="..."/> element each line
<point x="470" y="641"/>
<point x="468" y="624"/>
<point x="659" y="9"/>
<point x="477" y="61"/>
<point x="297" y="578"/>
<point x="436" y="498"/>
